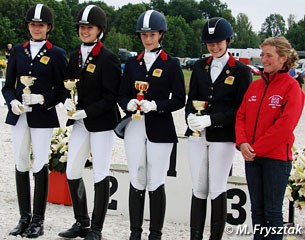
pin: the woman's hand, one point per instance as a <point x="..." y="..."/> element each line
<point x="17" y="107"/>
<point x="198" y="123"/>
<point x="69" y="105"/>
<point x="148" y="106"/>
<point x="80" y="114"/>
<point x="247" y="151"/>
<point x="132" y="105"/>
<point x="32" y="99"/>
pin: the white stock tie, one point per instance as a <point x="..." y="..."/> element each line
<point x="216" y="69"/>
<point x="149" y="59"/>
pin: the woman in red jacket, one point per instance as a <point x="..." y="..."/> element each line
<point x="269" y="113"/>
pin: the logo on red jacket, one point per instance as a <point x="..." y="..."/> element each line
<point x="275" y="101"/>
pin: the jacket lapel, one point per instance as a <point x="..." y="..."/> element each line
<point x="41" y="55"/>
<point x="228" y="70"/>
<point x="89" y="66"/>
<point x="141" y="63"/>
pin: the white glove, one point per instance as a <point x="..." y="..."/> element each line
<point x="31" y="99"/>
<point x="69" y="105"/>
<point x="199" y="123"/>
<point x="191" y="117"/>
<point x="132" y="105"/>
<point x="15" y="104"/>
<point x="80" y="114"/>
<point x="148" y="106"/>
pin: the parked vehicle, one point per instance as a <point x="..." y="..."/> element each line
<point x="301" y="66"/>
<point x="246" y="55"/>
<point x="254" y="70"/>
<point x="189" y="64"/>
<point x="124" y="54"/>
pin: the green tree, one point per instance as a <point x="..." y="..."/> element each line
<point x="7" y="29"/>
<point x="291" y="20"/>
<point x="127" y="16"/>
<point x="64" y="33"/>
<point x="244" y="35"/>
<point x="126" y="21"/>
<point x="72" y="3"/>
<point x="175" y="40"/>
<point x="15" y="11"/>
<point x="215" y="8"/>
<point x="159" y="5"/>
<point x="274" y="25"/>
<point x="110" y="13"/>
<point x="193" y="37"/>
<point x="188" y="9"/>
<point x="116" y="40"/>
<point x="296" y="35"/>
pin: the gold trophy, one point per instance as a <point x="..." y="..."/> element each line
<point x="70" y="84"/>
<point x="27" y="81"/>
<point x="142" y="87"/>
<point x="199" y="106"/>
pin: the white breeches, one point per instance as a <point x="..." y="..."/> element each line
<point x="148" y="162"/>
<point x="81" y="143"/>
<point x="210" y="164"/>
<point x="23" y="137"/>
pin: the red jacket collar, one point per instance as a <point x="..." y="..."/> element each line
<point x="163" y="55"/>
<point x="140" y="56"/>
<point x="96" y="49"/>
<point x="231" y="61"/>
<point x="270" y="77"/>
<point x="48" y="44"/>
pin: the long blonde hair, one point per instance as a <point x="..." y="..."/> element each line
<point x="283" y="48"/>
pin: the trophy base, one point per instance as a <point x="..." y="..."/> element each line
<point x="137" y="116"/>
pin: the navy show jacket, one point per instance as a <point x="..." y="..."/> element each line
<point x="166" y="88"/>
<point x="223" y="96"/>
<point x="98" y="87"/>
<point x="48" y="67"/>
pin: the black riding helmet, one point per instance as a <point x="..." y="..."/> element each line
<point x="216" y="29"/>
<point x="40" y="14"/>
<point x="92" y="15"/>
<point x="151" y="21"/>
